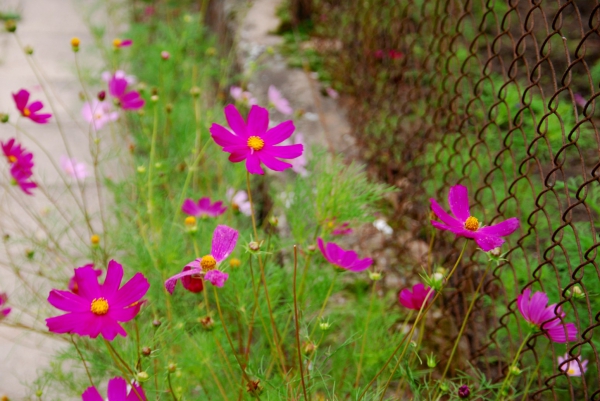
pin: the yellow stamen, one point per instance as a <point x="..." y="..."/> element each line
<point x="472" y="224"/>
<point x="234" y="262"/>
<point x="256" y="142"/>
<point x="95" y="239"/>
<point x="26" y="112"/>
<point x="571" y="371"/>
<point x="208" y="262"/>
<point x="190" y="221"/>
<point x="117" y="43"/>
<point x="12" y="159"/>
<point x="99" y="306"/>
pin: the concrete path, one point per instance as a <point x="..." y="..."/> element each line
<point x="47" y="26"/>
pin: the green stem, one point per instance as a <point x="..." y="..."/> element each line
<point x="514" y="363"/>
<point x="300" y="362"/>
<point x="535" y="372"/>
<point x="82" y="360"/>
<point x="364" y="341"/>
<point x="151" y="163"/>
<point x="333" y="280"/>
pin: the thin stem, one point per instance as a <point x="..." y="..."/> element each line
<point x="251" y="206"/>
<point x="465" y="320"/>
<point x="151" y="162"/>
<point x="171" y="386"/>
<point x="364" y="341"/>
<point x="514" y="363"/>
<point x="300" y="362"/>
<point x="324" y="304"/>
<point x="535" y="372"/>
<point x="83" y="361"/>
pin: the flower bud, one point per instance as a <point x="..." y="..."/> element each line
<point x="514" y="370"/>
<point x="169" y="108"/>
<point x="254" y="388"/>
<point x="141" y="377"/>
<point x="431" y="361"/>
<point x="39" y="394"/>
<point x="172" y="367"/>
<point x="207" y="323"/>
<point x="375" y="276"/>
<point x="211" y="51"/>
<point x="154" y="98"/>
<point x="141" y="169"/>
<point x="10" y="25"/>
<point x="195" y="91"/>
<point x="309" y="347"/>
<point x="29" y="253"/>
<point x="101" y="95"/>
<point x="324" y="326"/>
<point x="165" y="55"/>
<point x="254" y="246"/>
<point x="95" y="240"/>
<point x="156" y="323"/>
<point x="3" y="118"/>
<point x="75" y="42"/>
<point x="444" y="386"/>
<point x="190" y="224"/>
<point x="311" y="248"/>
<point x="235" y="262"/>
<point x="146" y="351"/>
<point x="496" y="252"/>
<point x="274" y="221"/>
<point x="577" y="292"/>
<point x="464" y="391"/>
<point x="28" y="50"/>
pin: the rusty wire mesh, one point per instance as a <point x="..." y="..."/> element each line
<point x="498" y="96"/>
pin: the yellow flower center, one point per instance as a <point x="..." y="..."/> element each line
<point x="234" y="262"/>
<point x="99" y="306"/>
<point x="117" y="42"/>
<point x="95" y="239"/>
<point x="208" y="262"/>
<point x="571" y="371"/>
<point x="26" y="112"/>
<point x="12" y="159"/>
<point x="472" y="224"/>
<point x="190" y="221"/>
<point x="256" y="142"/>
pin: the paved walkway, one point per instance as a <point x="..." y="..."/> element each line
<point x="47" y="26"/>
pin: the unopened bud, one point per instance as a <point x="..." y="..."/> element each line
<point x="10" y="25"/>
<point x="142" y="377"/>
<point x="207" y="323"/>
<point x="375" y="276"/>
<point x="431" y="361"/>
<point x="141" y="169"/>
<point x="274" y="221"/>
<point x="165" y="55"/>
<point x="101" y="95"/>
<point x="311" y="248"/>
<point x="30" y="253"/>
<point x="172" y="367"/>
<point x="577" y="292"/>
<point x="464" y="391"/>
<point x="254" y="388"/>
<point x="156" y="323"/>
<point x="95" y="239"/>
<point x="3" y="118"/>
<point x="211" y="51"/>
<point x="28" y="50"/>
<point x="254" y="246"/>
<point x="309" y="347"/>
<point x="496" y="252"/>
<point x="514" y="370"/>
<point x="235" y="262"/>
<point x="154" y="98"/>
<point x="444" y="386"/>
<point x="195" y="91"/>
<point x="39" y="393"/>
<point x="324" y="326"/>
<point x="146" y="351"/>
<point x="169" y="108"/>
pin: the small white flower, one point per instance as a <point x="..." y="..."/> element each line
<point x="383" y="226"/>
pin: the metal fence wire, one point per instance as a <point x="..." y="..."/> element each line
<point x="499" y="96"/>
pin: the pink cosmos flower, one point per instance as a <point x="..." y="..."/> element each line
<point x="254" y="142"/>
<point x="73" y="286"/>
<point x="30" y="111"/>
<point x="203" y="208"/>
<point x="73" y="168"/>
<point x="465" y="225"/>
<point x="575" y="367"/>
<point x="332" y="93"/>
<point x="342" y="229"/>
<point x="98" y="309"/>
<point x="98" y="113"/>
<point x="107" y="76"/>
<point x="118" y="43"/>
<point x="239" y="201"/>
<point x="343" y="259"/>
<point x="4" y="311"/>
<point x="118" y="390"/>
<point x="414" y="299"/>
<point x="128" y="100"/>
<point x="223" y="243"/>
<point x="535" y="311"/>
<point x="12" y="150"/>
<point x="580" y="100"/>
<point x="22" y="179"/>
<point x="242" y="96"/>
<point x="279" y="102"/>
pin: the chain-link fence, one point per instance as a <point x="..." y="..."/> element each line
<point x="498" y="96"/>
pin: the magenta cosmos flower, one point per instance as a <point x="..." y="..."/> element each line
<point x="30" y="110"/>
<point x="119" y="43"/>
<point x="118" y="390"/>
<point x="203" y="208"/>
<point x="414" y="299"/>
<point x="575" y="367"/>
<point x="128" y="100"/>
<point x="535" y="311"/>
<point x="254" y="142"/>
<point x="98" y="309"/>
<point x="98" y="113"/>
<point x="73" y="286"/>
<point x="223" y="243"/>
<point x="343" y="259"/>
<point x="465" y="225"/>
<point x="21" y="165"/>
<point x="4" y="311"/>
<point x="280" y="103"/>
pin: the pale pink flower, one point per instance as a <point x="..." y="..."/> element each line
<point x="279" y="102"/>
<point x="575" y="366"/>
<point x="119" y="74"/>
<point x="242" y="96"/>
<point x="98" y="113"/>
<point x="73" y="168"/>
<point x="239" y="201"/>
<point x="332" y="93"/>
<point x="299" y="163"/>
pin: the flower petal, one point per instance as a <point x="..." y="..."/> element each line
<point x="117" y="389"/>
<point x="136" y="394"/>
<point x="91" y="394"/>
<point x="131" y="292"/>
<point x="253" y="164"/>
<point x="87" y="281"/>
<point x="223" y="242"/>
<point x="125" y="314"/>
<point x="114" y="276"/>
<point x="445" y="217"/>
<point x="284" y="152"/>
<point x="235" y="121"/>
<point x="486" y="242"/>
<point x="458" y="199"/>
<point x="279" y="133"/>
<point x="21" y="98"/>
<point x="258" y="121"/>
<point x="223" y="137"/>
<point x="109" y="328"/>
<point x="273" y="163"/>
<point x="172" y="281"/>
<point x="190" y="207"/>
<point x="67" y="301"/>
<point x="502" y="229"/>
